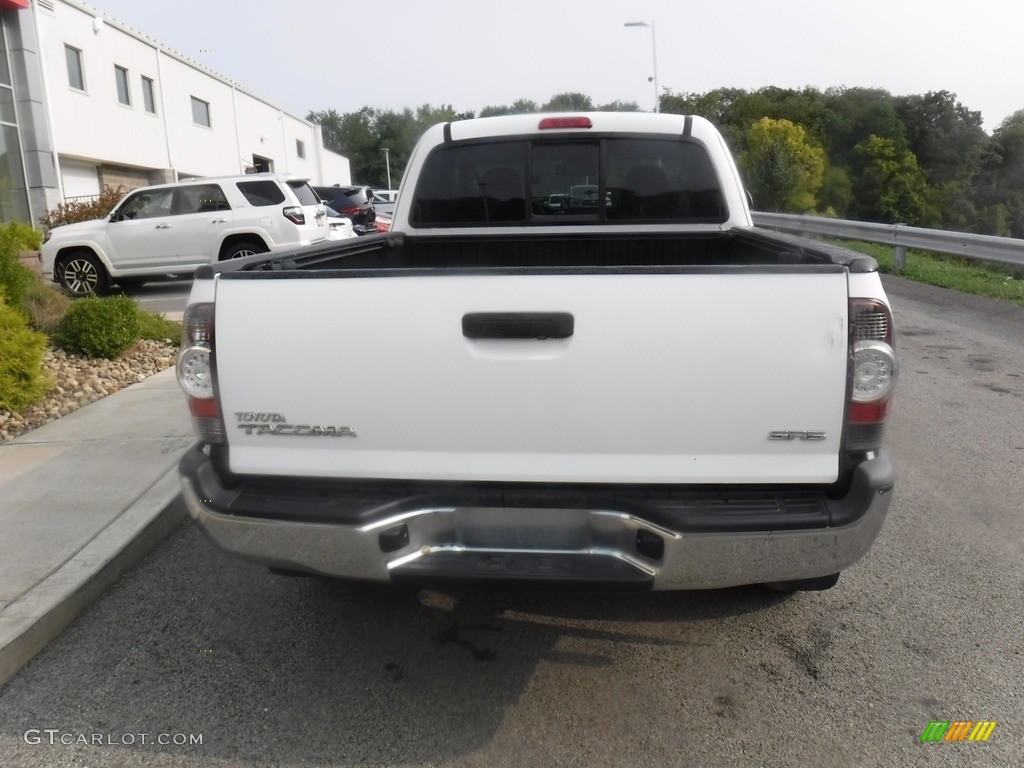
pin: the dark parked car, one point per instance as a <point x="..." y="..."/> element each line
<point x="355" y="203"/>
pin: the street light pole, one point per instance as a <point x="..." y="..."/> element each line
<point x="387" y="161"/>
<point x="654" y="53"/>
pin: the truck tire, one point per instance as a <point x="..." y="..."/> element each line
<point x="803" y="585"/>
<point x="81" y="274"/>
<point x="242" y="249"/>
<point x="290" y="572"/>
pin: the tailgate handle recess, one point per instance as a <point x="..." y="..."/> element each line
<point x="517" y="325"/>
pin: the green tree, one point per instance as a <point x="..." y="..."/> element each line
<point x="353" y="135"/>
<point x="998" y="186"/>
<point x="517" y="107"/>
<point x="943" y="134"/>
<point x="362" y="136"/>
<point x="856" y="114"/>
<point x="398" y="132"/>
<point x="920" y="158"/>
<point x="428" y="115"/>
<point x="732" y="110"/>
<point x="619" y="106"/>
<point x="569" y="102"/>
<point x="807" y="107"/>
<point x="892" y="187"/>
<point x="783" y="167"/>
<point x="330" y="125"/>
<point x="836" y="192"/>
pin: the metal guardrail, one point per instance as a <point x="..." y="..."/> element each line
<point x="1005" y="250"/>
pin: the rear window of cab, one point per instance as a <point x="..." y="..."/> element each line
<point x="548" y="183"/>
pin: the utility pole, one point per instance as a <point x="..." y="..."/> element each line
<point x="387" y="162"/>
<point x="654" y="54"/>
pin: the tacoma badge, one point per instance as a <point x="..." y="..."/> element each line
<point x="304" y="430"/>
<point x="264" y="423"/>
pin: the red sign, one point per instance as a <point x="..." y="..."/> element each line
<point x="13" y="5"/>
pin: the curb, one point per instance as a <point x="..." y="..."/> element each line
<point x="41" y="614"/>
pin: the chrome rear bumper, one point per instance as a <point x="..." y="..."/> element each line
<point x="605" y="547"/>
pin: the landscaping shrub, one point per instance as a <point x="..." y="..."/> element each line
<point x="15" y="277"/>
<point x="23" y="380"/>
<point x="83" y="210"/>
<point x="158" y="328"/>
<point x="45" y="305"/>
<point x="99" y="327"/>
<point x="20" y="236"/>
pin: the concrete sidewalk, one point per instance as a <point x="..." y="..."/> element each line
<point x="82" y="499"/>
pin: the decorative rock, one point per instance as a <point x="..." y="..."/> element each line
<point x="78" y="381"/>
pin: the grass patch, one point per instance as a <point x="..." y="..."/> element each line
<point x="158" y="328"/>
<point x="993" y="281"/>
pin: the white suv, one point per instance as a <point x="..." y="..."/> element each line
<point x="175" y="228"/>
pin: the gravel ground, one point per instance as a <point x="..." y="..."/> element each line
<point x="78" y="381"/>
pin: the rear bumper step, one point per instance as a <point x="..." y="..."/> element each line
<point x="630" y="537"/>
<point x="586" y="569"/>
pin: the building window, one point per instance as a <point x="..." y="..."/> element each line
<point x="76" y="77"/>
<point x="121" y="78"/>
<point x="13" y="189"/>
<point x="5" y="67"/>
<point x="201" y="112"/>
<point x="7" y="113"/>
<point x="300" y="148"/>
<point x="262" y="164"/>
<point x="148" y="97"/>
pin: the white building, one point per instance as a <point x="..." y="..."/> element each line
<point x="86" y="101"/>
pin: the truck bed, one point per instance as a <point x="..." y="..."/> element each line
<point x="646" y="251"/>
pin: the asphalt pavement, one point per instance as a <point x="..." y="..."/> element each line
<point x="166" y="295"/>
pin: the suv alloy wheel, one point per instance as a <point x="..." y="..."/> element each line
<point x="241" y="250"/>
<point x="81" y="274"/>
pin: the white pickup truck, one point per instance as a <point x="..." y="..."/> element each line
<point x="633" y="389"/>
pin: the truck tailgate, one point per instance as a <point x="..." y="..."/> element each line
<point x="666" y="378"/>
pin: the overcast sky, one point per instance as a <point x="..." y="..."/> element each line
<point x="343" y="54"/>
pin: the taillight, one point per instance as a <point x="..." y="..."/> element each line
<point x="565" y="122"/>
<point x="195" y="370"/>
<point x="350" y="210"/>
<point x="873" y="373"/>
<point x="295" y="214"/>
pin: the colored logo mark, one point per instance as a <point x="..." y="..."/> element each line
<point x="958" y="730"/>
